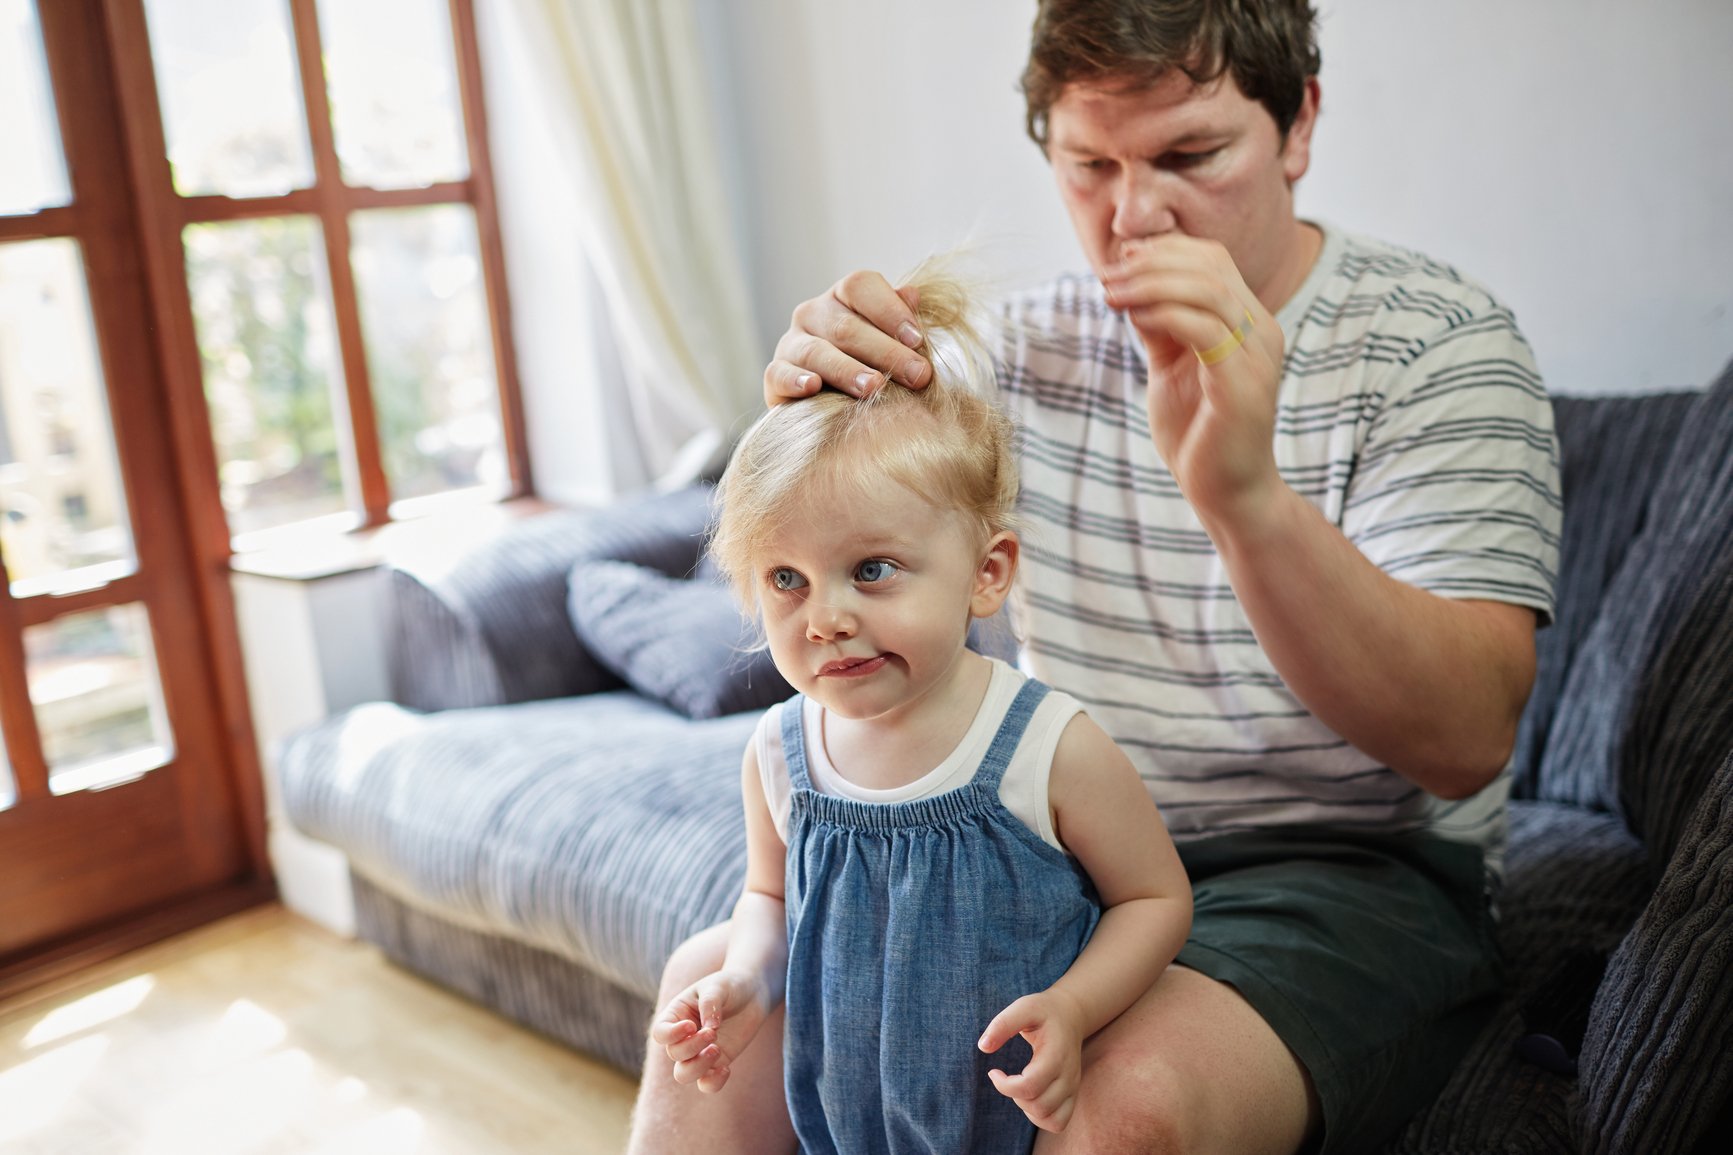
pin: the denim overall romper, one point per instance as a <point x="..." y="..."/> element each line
<point x="911" y="925"/>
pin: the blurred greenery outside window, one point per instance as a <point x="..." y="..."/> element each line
<point x="266" y="299"/>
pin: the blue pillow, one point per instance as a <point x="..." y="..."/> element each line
<point x="679" y="641"/>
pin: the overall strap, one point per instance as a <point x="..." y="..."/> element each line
<point x="1016" y="720"/>
<point x="794" y="742"/>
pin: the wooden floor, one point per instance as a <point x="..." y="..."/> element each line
<point x="265" y="1035"/>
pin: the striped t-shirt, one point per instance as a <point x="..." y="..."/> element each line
<point x="1410" y="413"/>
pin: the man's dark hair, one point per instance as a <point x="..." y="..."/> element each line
<point x="1269" y="47"/>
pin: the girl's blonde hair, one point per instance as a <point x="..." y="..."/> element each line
<point x="948" y="443"/>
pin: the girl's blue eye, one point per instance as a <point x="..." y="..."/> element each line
<point x="875" y="570"/>
<point x="784" y="578"/>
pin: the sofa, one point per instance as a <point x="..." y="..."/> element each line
<point x="537" y="826"/>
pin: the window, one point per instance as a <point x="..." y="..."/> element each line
<point x="324" y="175"/>
<point x="249" y="278"/>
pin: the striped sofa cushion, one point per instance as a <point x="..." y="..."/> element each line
<point x="603" y="828"/>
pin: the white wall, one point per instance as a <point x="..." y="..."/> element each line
<point x="1576" y="155"/>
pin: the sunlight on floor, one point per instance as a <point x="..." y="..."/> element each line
<point x="121" y="998"/>
<point x="266" y="1036"/>
<point x="35" y="1092"/>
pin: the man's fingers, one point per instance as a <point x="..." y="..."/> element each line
<point x="786" y="381"/>
<point x="881" y="343"/>
<point x="1199" y="328"/>
<point x="808" y="353"/>
<point x="869" y="296"/>
<point x="1176" y="251"/>
<point x="1184" y="287"/>
<point x="911" y="295"/>
<point x="854" y="338"/>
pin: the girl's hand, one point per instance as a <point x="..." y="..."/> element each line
<point x="706" y="1026"/>
<point x="1213" y="424"/>
<point x="1046" y="1090"/>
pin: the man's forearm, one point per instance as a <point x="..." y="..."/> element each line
<point x="1430" y="687"/>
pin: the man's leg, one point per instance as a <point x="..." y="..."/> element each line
<point x="1192" y="1068"/>
<point x="749" y="1115"/>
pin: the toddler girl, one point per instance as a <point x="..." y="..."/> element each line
<point x="944" y="857"/>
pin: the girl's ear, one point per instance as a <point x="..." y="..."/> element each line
<point x="995" y="575"/>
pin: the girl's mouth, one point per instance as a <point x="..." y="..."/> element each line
<point x="852" y="667"/>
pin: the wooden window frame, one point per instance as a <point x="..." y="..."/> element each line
<point x="142" y="264"/>
<point x="164" y="213"/>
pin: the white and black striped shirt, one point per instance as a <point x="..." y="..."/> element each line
<point x="1410" y="413"/>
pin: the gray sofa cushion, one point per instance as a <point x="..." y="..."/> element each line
<point x="1610" y="451"/>
<point x="1683" y="722"/>
<point x="1575" y="882"/>
<point x="603" y="828"/>
<point x="679" y="641"/>
<point x="1686" y="534"/>
<point x="1655" y="1066"/>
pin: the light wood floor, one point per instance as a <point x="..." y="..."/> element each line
<point x="265" y="1035"/>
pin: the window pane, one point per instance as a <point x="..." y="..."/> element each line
<point x="33" y="175"/>
<point x="93" y="681"/>
<point x="262" y="306"/>
<point x="395" y="110"/>
<point x="429" y="352"/>
<point x="63" y="519"/>
<point x="231" y="96"/>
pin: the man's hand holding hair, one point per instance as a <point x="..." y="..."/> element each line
<point x="854" y="337"/>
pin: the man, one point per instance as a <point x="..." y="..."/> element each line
<point x="1292" y="517"/>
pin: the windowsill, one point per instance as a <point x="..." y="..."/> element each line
<point x="308" y="554"/>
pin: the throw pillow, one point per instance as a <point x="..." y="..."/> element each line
<point x="1611" y="452"/>
<point x="680" y="642"/>
<point x="1612" y="681"/>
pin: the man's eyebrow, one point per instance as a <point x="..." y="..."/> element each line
<point x="1194" y="136"/>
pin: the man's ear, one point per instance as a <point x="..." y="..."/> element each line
<point x="995" y="575"/>
<point x="1297" y="148"/>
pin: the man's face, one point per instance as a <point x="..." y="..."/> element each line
<point x="1134" y="163"/>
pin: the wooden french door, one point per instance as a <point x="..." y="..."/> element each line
<point x="121" y="804"/>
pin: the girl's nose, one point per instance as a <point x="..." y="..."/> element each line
<point x="828" y="622"/>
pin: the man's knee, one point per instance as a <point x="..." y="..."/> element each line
<point x="698" y="956"/>
<point x="1132" y="1105"/>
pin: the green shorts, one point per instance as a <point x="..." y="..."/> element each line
<point x="1372" y="956"/>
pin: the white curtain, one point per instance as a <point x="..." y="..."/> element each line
<point x="629" y="114"/>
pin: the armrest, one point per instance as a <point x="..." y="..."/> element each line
<point x="1655" y="1075"/>
<point x="490" y="626"/>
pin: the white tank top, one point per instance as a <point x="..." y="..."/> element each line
<point x="1023" y="790"/>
